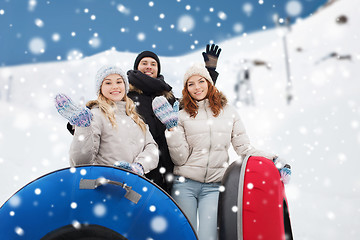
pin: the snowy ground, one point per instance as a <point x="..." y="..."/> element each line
<point x="318" y="132"/>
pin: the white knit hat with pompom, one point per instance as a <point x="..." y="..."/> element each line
<point x="198" y="69"/>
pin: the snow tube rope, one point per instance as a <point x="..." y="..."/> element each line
<point x="94" y="183"/>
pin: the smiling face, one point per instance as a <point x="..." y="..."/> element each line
<point x="113" y="87"/>
<point x="197" y="87"/>
<point x="148" y="66"/>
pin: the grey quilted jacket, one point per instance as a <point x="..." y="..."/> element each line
<point x="199" y="146"/>
<point x="101" y="144"/>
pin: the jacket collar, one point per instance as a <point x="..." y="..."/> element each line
<point x="120" y="106"/>
<point x="203" y="103"/>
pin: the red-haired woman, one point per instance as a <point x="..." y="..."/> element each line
<point x="198" y="138"/>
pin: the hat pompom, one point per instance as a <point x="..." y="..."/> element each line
<point x="198" y="69"/>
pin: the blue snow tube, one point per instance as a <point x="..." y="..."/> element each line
<point x="93" y="202"/>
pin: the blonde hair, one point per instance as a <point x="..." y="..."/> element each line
<point x="108" y="108"/>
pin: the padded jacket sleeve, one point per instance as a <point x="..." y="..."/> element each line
<point x="85" y="143"/>
<point x="178" y="146"/>
<point x="149" y="157"/>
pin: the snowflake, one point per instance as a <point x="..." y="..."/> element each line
<point x="19" y="231"/>
<point x="99" y="210"/>
<point x="159" y="224"/>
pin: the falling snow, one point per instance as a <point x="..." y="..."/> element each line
<point x="159" y="224"/>
<point x="318" y="133"/>
<point x="186" y="23"/>
<point x="37" y="45"/>
<point x="293" y="8"/>
<point x="100" y="210"/>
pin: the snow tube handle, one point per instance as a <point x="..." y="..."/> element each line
<point x="94" y="183"/>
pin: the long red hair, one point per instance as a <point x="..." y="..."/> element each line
<point x="217" y="101"/>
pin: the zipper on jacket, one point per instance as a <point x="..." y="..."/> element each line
<point x="208" y="160"/>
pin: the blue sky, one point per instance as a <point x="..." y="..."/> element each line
<point x="58" y="30"/>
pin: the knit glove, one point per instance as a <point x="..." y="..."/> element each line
<point x="165" y="113"/>
<point x="134" y="167"/>
<point x="77" y="116"/>
<point x="211" y="56"/>
<point x="284" y="169"/>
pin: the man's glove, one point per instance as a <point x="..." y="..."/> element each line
<point x="77" y="116"/>
<point x="284" y="169"/>
<point x="134" y="167"/>
<point x="211" y="56"/>
<point x="167" y="114"/>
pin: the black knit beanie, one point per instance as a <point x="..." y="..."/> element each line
<point x="146" y="54"/>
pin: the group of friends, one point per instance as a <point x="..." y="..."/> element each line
<point x="135" y="123"/>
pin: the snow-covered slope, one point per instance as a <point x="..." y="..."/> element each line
<point x="318" y="132"/>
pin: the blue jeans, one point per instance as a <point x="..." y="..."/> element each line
<point x="199" y="198"/>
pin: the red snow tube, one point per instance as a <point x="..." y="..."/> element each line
<point x="253" y="205"/>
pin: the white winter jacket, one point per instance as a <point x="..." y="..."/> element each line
<point x="101" y="144"/>
<point x="199" y="146"/>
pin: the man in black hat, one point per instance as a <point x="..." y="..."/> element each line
<point x="146" y="83"/>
